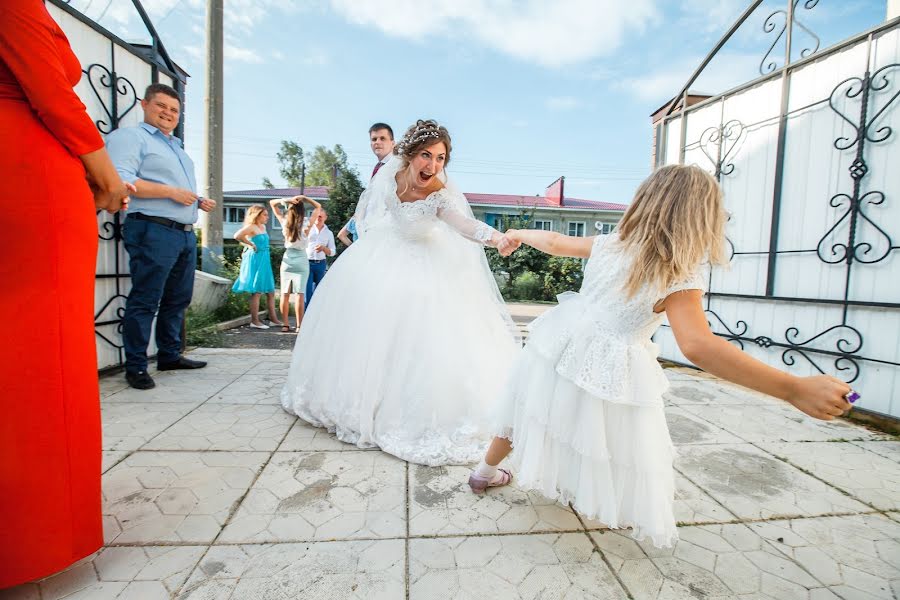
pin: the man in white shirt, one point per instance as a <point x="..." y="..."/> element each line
<point x="320" y="247"/>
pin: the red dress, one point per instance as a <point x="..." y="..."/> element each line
<point x="50" y="446"/>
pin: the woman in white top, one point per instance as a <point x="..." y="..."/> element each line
<point x="294" y="263"/>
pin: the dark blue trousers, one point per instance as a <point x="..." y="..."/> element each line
<point x="162" y="261"/>
<point x="316" y="273"/>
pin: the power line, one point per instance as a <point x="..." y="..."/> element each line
<point x="103" y="13"/>
<point x="171" y="10"/>
<point x="476" y="162"/>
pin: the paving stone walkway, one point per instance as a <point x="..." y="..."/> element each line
<point x="212" y="492"/>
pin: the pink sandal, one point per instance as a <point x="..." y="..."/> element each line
<point x="479" y="484"/>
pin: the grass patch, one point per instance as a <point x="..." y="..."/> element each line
<point x="201" y="328"/>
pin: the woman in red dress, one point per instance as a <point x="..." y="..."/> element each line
<point x="50" y="505"/>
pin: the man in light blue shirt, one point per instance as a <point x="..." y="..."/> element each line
<point x="158" y="234"/>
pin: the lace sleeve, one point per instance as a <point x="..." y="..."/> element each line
<point x="696" y="281"/>
<point x="471" y="229"/>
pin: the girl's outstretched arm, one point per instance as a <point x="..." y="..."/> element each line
<point x="553" y="243"/>
<point x="820" y="396"/>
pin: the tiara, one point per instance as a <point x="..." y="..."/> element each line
<point x="417" y="135"/>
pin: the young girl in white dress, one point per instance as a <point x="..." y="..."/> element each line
<point x="583" y="413"/>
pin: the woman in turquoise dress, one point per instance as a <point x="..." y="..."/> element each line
<point x="256" y="269"/>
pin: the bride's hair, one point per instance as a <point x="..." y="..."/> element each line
<point x="425" y="133"/>
<point x="675" y="222"/>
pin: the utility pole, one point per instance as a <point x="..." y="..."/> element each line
<point x="212" y="223"/>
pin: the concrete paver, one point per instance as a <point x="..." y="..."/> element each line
<point x="211" y="491"/>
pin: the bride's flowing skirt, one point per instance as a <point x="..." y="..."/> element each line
<point x="403" y="348"/>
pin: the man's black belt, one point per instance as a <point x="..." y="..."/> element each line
<point x="161" y="221"/>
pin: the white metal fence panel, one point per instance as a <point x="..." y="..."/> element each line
<point x="818" y="167"/>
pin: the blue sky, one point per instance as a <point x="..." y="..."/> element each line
<point x="530" y="90"/>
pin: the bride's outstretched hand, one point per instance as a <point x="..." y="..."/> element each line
<point x="508" y="244"/>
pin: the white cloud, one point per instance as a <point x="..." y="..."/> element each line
<point x="711" y="16"/>
<point x="244" y="55"/>
<point x="727" y="70"/>
<point x="314" y="58"/>
<point x="196" y="53"/>
<point x="563" y="103"/>
<point x="547" y="32"/>
<point x="241" y="19"/>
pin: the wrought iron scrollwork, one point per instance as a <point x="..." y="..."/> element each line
<point x="853" y="250"/>
<point x="879" y="82"/>
<point x="719" y="145"/>
<point x="853" y="247"/>
<point x="119" y="312"/>
<point x="845" y="353"/>
<point x="111" y="230"/>
<point x="843" y="358"/>
<point x="101" y="78"/>
<point x="768" y="65"/>
<point x="735" y="335"/>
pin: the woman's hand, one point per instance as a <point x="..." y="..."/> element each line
<point x="507" y="245"/>
<point x="114" y="199"/>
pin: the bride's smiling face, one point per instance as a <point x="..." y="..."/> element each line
<point x="427" y="164"/>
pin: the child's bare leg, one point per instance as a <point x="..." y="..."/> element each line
<point x="487" y="474"/>
<point x="498" y="450"/>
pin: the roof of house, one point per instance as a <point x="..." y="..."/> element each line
<point x="540" y="202"/>
<point x="313" y="191"/>
<point x="510" y="200"/>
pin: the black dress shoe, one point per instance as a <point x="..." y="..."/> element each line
<point x="140" y="380"/>
<point x="181" y="363"/>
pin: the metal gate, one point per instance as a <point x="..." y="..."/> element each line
<point x="115" y="75"/>
<point x="809" y="159"/>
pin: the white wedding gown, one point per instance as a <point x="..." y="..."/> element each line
<point x="406" y="344"/>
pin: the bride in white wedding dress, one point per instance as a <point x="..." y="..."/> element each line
<point x="407" y="341"/>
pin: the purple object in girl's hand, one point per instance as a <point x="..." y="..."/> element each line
<point x="852" y="396"/>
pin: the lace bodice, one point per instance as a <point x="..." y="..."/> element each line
<point x="416" y="219"/>
<point x="606" y="272"/>
<point x="600" y="340"/>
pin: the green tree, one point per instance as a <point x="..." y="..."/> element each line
<point x="342" y="199"/>
<point x="291" y="158"/>
<point x="524" y="260"/>
<point x="267" y="183"/>
<point x="562" y="274"/>
<point x="322" y="165"/>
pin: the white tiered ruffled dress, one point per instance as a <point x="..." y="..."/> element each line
<point x="584" y="406"/>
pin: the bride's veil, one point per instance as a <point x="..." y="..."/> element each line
<point x="478" y="254"/>
<point x="372" y="206"/>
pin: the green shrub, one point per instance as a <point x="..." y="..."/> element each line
<point x="562" y="274"/>
<point x="527" y="286"/>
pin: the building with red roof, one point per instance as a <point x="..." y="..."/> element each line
<point x="552" y="211"/>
